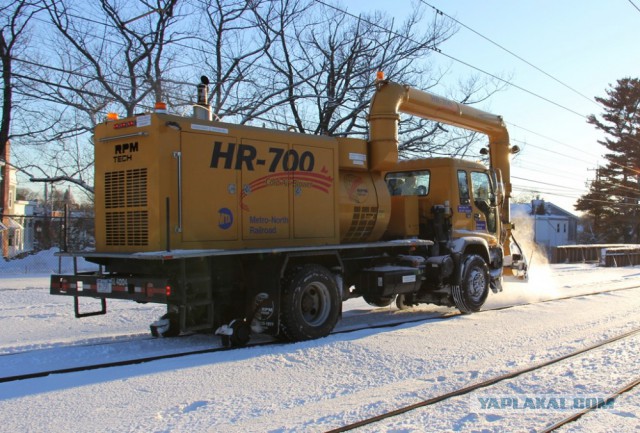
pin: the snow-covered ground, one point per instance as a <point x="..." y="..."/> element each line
<point x="324" y="384"/>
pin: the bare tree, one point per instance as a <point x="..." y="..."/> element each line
<point x="326" y="59"/>
<point x="14" y="21"/>
<point x="299" y="63"/>
<point x="227" y="49"/>
<point x="110" y="57"/>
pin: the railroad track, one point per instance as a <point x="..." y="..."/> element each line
<point x="576" y="416"/>
<point x="147" y="359"/>
<point x="91" y="342"/>
<point x="495" y="380"/>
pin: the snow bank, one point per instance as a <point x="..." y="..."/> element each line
<point x="42" y="263"/>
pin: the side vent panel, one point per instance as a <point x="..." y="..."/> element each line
<point x="362" y="224"/>
<point x="127" y="219"/>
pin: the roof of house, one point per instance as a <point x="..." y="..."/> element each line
<point x="550" y="209"/>
<point x="12" y="224"/>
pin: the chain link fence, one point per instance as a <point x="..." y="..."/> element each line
<point x="30" y="242"/>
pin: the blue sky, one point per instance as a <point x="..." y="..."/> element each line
<point x="586" y="45"/>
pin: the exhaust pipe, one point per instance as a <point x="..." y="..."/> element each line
<point x="202" y="110"/>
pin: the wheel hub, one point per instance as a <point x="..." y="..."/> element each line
<point x="477" y="285"/>
<point x="315" y="304"/>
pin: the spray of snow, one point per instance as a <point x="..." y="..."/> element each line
<point x="540" y="284"/>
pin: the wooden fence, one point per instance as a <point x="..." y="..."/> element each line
<point x="608" y="255"/>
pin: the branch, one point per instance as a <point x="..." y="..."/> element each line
<point x="78" y="182"/>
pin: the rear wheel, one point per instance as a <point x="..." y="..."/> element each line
<point x="310" y="304"/>
<point x="473" y="290"/>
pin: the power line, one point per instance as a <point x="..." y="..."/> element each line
<point x="108" y="25"/>
<point x="545" y="183"/>
<point x="540" y="168"/>
<point x="440" y="12"/>
<point x="634" y="5"/>
<point x="548" y="138"/>
<point x="439" y="51"/>
<point x="572" y="157"/>
<point x="586" y="199"/>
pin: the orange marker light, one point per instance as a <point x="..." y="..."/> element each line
<point x="379" y="75"/>
<point x="112" y="116"/>
<point x="161" y="107"/>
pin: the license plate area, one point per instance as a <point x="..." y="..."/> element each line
<point x="104" y="285"/>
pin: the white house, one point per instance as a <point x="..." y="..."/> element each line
<point x="551" y="226"/>
<point x="17" y="225"/>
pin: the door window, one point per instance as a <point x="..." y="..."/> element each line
<point x="483" y="198"/>
<point x="463" y="187"/>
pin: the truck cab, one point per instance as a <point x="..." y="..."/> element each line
<point x="454" y="203"/>
<point x="465" y="191"/>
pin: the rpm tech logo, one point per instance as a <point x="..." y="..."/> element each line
<point x="124" y="152"/>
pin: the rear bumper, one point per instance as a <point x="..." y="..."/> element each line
<point x="157" y="290"/>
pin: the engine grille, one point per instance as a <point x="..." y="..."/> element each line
<point x="362" y="224"/>
<point x="126" y="220"/>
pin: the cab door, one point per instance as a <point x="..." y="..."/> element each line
<point x="483" y="202"/>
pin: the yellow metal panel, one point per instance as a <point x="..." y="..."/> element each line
<point x="210" y="194"/>
<point x="264" y="200"/>
<point x="352" y="154"/>
<point x="404" y="217"/>
<point x="129" y="186"/>
<point x="313" y="193"/>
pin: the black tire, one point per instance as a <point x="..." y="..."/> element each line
<point x="174" y="326"/>
<point x="473" y="290"/>
<point x="381" y="301"/>
<point x="400" y="303"/>
<point x="310" y="304"/>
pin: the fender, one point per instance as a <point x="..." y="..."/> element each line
<point x="463" y="247"/>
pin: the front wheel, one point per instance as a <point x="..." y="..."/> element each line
<point x="472" y="292"/>
<point x="310" y="304"/>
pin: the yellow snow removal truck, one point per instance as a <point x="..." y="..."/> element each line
<point x="240" y="229"/>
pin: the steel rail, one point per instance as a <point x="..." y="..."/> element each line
<point x="484" y="384"/>
<point x="574" y="417"/>
<point x="143" y="360"/>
